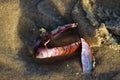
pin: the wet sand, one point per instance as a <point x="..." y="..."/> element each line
<point x="20" y="21"/>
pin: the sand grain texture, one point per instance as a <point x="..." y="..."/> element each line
<point x="20" y="21"/>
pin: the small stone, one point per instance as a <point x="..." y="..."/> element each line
<point x="77" y="73"/>
<point x="68" y="65"/>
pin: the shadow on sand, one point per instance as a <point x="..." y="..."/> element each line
<point x="30" y="21"/>
<point x="28" y="30"/>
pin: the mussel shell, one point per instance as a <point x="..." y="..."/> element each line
<point x="65" y="38"/>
